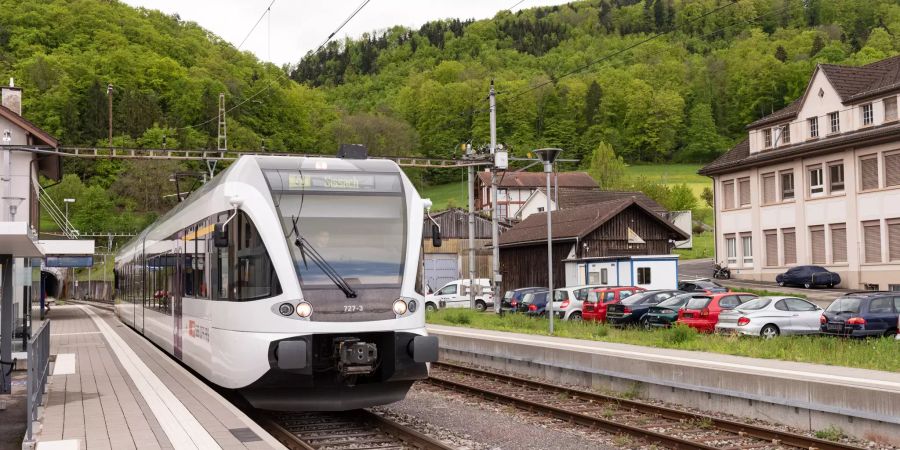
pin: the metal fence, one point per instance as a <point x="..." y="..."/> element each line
<point x="38" y="372"/>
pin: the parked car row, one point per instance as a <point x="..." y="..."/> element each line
<point x="706" y="310"/>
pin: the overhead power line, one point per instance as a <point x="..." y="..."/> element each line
<point x="517" y="4"/>
<point x="348" y="19"/>
<point x="268" y="10"/>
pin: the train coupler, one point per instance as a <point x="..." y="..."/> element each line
<point x="355" y="357"/>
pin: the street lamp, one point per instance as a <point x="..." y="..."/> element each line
<point x="548" y="156"/>
<point x="67" y="201"/>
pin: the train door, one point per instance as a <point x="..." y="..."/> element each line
<point x="176" y="296"/>
<point x="144" y="292"/>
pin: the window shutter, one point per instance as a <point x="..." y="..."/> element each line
<point x="872" y="237"/>
<point x="728" y="192"/>
<point x="817" y="244"/>
<point x="790" y="246"/>
<point x="839" y="243"/>
<point x="744" y="186"/>
<point x="769" y="194"/>
<point x="771" y="248"/>
<point x="894" y="240"/>
<point x="869" y="173"/>
<point x="892" y="169"/>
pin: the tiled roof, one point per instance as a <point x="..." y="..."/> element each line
<point x="539" y="179"/>
<point x="575" y="223"/>
<point x="851" y="83"/>
<point x="739" y="156"/>
<point x="572" y="198"/>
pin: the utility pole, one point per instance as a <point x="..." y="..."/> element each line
<point x="495" y="220"/>
<point x="109" y="93"/>
<point x="223" y="135"/>
<point x="471" y="185"/>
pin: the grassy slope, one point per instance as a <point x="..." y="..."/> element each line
<point x="877" y="354"/>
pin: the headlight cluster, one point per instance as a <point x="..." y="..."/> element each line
<point x="304" y="309"/>
<point x="402" y="305"/>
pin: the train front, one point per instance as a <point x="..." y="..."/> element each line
<point x="353" y="230"/>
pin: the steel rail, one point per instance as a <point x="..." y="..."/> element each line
<point x="741" y="429"/>
<point x="406" y="437"/>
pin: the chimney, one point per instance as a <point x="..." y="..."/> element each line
<point x="11" y="97"/>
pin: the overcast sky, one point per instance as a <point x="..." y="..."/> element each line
<point x="299" y="26"/>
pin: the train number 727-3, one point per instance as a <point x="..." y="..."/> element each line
<point x="353" y="308"/>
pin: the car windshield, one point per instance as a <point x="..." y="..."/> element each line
<point x="675" y="302"/>
<point x="637" y="298"/>
<point x="755" y="304"/>
<point x="697" y="303"/>
<point x="508" y="295"/>
<point x="582" y="294"/>
<point x="356" y="222"/>
<point x="844" y="305"/>
<point x="560" y="295"/>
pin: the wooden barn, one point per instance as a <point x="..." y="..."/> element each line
<point x="450" y="261"/>
<point x="582" y="238"/>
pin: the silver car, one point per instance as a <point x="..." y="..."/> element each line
<point x="771" y="316"/>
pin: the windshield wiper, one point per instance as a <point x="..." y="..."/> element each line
<point x="305" y="247"/>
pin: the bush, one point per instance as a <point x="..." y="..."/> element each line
<point x="458" y="317"/>
<point x="679" y="334"/>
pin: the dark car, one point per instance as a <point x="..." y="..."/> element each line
<point x="704" y="286"/>
<point x="512" y="299"/>
<point x="808" y="277"/>
<point x="665" y="314"/>
<point x="533" y="303"/>
<point x="632" y="310"/>
<point x="862" y="314"/>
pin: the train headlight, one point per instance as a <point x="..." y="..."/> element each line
<point x="286" y="309"/>
<point x="304" y="309"/>
<point x="412" y="305"/>
<point x="400" y="307"/>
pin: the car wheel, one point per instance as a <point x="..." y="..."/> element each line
<point x="645" y="323"/>
<point x="830" y="285"/>
<point x="430" y="307"/>
<point x="890" y="332"/>
<point x="480" y="306"/>
<point x="808" y="285"/>
<point x="576" y="316"/>
<point x="769" y="331"/>
<point x="781" y="283"/>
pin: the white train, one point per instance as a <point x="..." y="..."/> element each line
<point x="291" y="279"/>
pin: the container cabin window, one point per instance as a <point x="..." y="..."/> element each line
<point x="253" y="275"/>
<point x="643" y="275"/>
<point x="601" y="277"/>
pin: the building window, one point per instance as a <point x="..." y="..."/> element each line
<point x="789" y="240"/>
<point x="643" y="275"/>
<point x="872" y="241"/>
<point x="747" y="248"/>
<point x="771" y="248"/>
<point x="892" y="169"/>
<point x="868" y="173"/>
<point x="744" y="191"/>
<point x="787" y="185"/>
<point x="770" y="195"/>
<point x="786" y="134"/>
<point x="890" y="109"/>
<point x="893" y="229"/>
<point x="728" y="193"/>
<point x="816" y="183"/>
<point x="867" y="116"/>
<point x="540" y="209"/>
<point x="813" y="127"/>
<point x="838" y="243"/>
<point x="836" y="177"/>
<point x="817" y="244"/>
<point x="767" y="137"/>
<point x="502" y="211"/>
<point x="894" y="288"/>
<point x="731" y="248"/>
<point x="835" y="119"/>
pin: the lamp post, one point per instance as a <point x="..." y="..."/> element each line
<point x="67" y="201"/>
<point x="68" y="225"/>
<point x="548" y="156"/>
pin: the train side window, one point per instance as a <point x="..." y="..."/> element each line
<point x="253" y="274"/>
<point x="219" y="263"/>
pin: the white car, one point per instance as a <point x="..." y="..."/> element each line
<point x="771" y="316"/>
<point x="567" y="301"/>
<point x="455" y="294"/>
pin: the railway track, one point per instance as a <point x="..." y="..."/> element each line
<point x="356" y="430"/>
<point x="654" y="424"/>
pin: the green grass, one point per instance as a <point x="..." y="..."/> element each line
<point x="876" y="354"/>
<point x="444" y="196"/>
<point x="672" y="174"/>
<point x="832" y="433"/>
<point x="97" y="272"/>
<point x="702" y="248"/>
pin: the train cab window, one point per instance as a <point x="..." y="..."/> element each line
<point x="253" y="275"/>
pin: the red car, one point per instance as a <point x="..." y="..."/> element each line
<point x="594" y="308"/>
<point x="702" y="311"/>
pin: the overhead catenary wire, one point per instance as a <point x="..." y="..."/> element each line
<point x="345" y="22"/>
<point x="267" y="11"/>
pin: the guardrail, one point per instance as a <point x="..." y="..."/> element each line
<point x="38" y="373"/>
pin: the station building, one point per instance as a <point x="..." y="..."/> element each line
<point x="817" y="182"/>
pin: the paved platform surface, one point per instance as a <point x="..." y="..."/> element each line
<point x="112" y="389"/>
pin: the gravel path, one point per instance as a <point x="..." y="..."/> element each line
<point x="491" y="426"/>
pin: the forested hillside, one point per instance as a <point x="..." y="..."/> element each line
<point x="684" y="96"/>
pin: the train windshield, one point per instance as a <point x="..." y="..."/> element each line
<point x="356" y="222"/>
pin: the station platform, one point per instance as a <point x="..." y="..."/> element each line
<point x="111" y="389"/>
<point x="862" y="403"/>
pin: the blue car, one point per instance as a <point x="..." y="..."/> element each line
<point x="862" y="314"/>
<point x="808" y="277"/>
<point x="631" y="311"/>
<point x="512" y="299"/>
<point x="534" y="303"/>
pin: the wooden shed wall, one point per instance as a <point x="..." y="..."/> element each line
<point x="611" y="238"/>
<point x="527" y="266"/>
<point x="455" y="225"/>
<point x="460" y="247"/>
